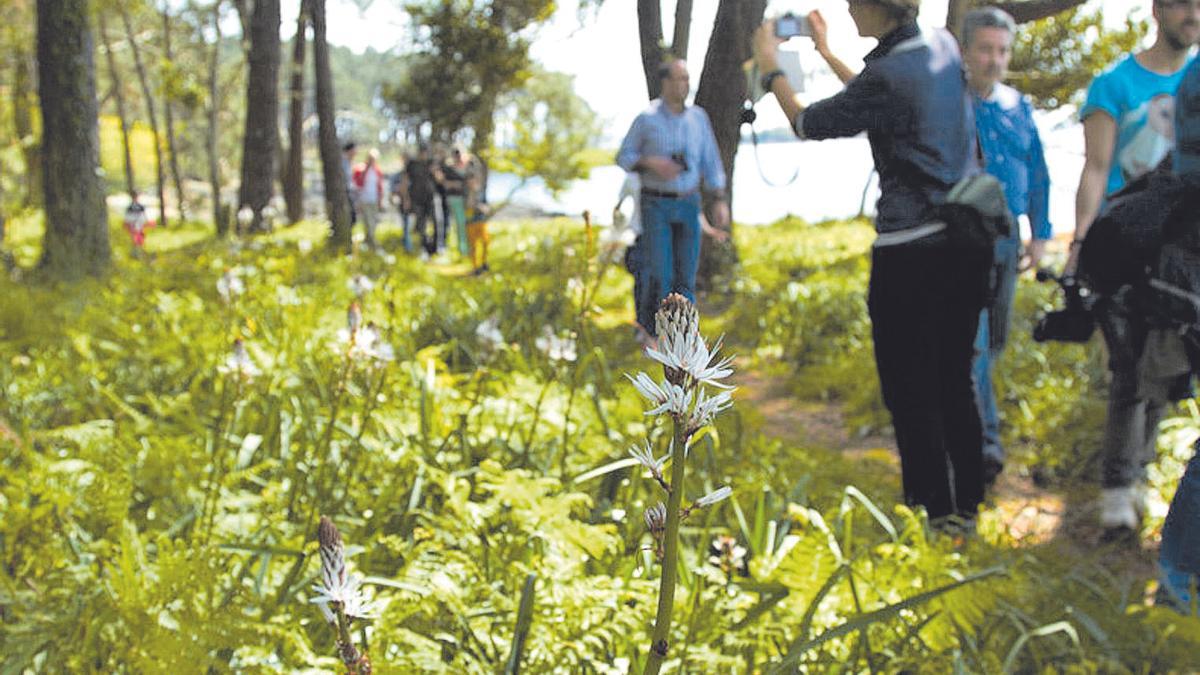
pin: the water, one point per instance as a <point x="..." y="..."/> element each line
<point x="831" y="181"/>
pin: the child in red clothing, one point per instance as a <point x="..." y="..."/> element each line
<point x="136" y="223"/>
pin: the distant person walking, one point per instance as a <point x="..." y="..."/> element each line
<point x="1128" y="130"/>
<point x="1012" y="152"/>
<point x="421" y="190"/>
<point x="926" y="288"/>
<point x="369" y="186"/>
<point x="348" y="152"/>
<point x="671" y="145"/>
<point x="457" y="173"/>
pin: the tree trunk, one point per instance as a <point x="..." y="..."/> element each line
<point x="683" y="28"/>
<point x="122" y="118"/>
<point x="170" y="118"/>
<point x="76" y="239"/>
<point x="955" y="11"/>
<point x="151" y="113"/>
<point x="293" y="168"/>
<point x="219" y="214"/>
<point x="337" y="205"/>
<point x="260" y="143"/>
<point x="23" y="125"/>
<point x="721" y="93"/>
<point x="650" y="33"/>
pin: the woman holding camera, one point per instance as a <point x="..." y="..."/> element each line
<point x="925" y="291"/>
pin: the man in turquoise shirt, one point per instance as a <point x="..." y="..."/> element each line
<point x="1127" y="127"/>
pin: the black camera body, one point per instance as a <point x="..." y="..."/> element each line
<point x="680" y="159"/>
<point x="1074" y="322"/>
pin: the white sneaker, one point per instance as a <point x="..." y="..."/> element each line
<point x="1119" y="508"/>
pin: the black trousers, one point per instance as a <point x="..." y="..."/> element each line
<point x="924" y="301"/>
<point x="424" y="218"/>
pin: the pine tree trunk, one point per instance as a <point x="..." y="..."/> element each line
<point x="683" y="28"/>
<point x="650" y="35"/>
<point x="119" y="97"/>
<point x="151" y="114"/>
<point x="293" y="171"/>
<point x="76" y="239"/>
<point x="169" y="113"/>
<point x="23" y="125"/>
<point x="219" y="215"/>
<point x="721" y="93"/>
<point x="337" y="205"/>
<point x="260" y="143"/>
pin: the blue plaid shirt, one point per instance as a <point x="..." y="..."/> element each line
<point x="1012" y="150"/>
<point x="660" y="132"/>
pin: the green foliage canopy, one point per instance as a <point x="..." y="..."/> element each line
<point x="1054" y="59"/>
<point x="551" y="127"/>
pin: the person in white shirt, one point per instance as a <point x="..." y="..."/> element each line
<point x="368" y="182"/>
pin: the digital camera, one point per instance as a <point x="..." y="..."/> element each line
<point x="680" y="159"/>
<point x="789" y="26"/>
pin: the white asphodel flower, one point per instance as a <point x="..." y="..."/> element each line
<point x="366" y="343"/>
<point x="360" y="285"/>
<point x="687" y="353"/>
<point x="230" y="285"/>
<point x="707" y="408"/>
<point x="644" y="454"/>
<point x="245" y="215"/>
<point x="269" y="213"/>
<point x="337" y="589"/>
<point x="488" y="333"/>
<point x="682" y="350"/>
<point x="667" y="397"/>
<point x="555" y="347"/>
<point x="305" y="246"/>
<point x="713" y="497"/>
<point x="239" y="362"/>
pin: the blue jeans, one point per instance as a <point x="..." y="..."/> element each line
<point x="670" y="252"/>
<point x="990" y="341"/>
<point x="406" y="223"/>
<point x="1179" y="557"/>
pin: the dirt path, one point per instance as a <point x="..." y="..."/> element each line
<point x="1030" y="515"/>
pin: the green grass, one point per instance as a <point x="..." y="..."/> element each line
<point x="160" y="513"/>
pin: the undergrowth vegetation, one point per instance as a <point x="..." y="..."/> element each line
<point x="170" y="443"/>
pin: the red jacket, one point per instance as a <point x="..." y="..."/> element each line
<point x="360" y="177"/>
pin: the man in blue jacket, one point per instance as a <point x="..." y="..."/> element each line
<point x="1012" y="152"/>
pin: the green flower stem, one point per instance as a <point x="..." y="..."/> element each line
<point x="368" y="410"/>
<point x="326" y="441"/>
<point x="670" y="562"/>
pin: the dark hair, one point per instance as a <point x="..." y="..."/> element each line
<point x="986" y="17"/>
<point x="349" y="146"/>
<point x="664" y="68"/>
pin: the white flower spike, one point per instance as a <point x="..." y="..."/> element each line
<point x="338" y="590"/>
<point x="360" y="285"/>
<point x="239" y="362"/>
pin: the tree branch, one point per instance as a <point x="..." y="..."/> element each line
<point x="1024" y="11"/>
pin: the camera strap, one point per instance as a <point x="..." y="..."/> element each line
<point x="748" y="117"/>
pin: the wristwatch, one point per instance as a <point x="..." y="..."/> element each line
<point x="769" y="78"/>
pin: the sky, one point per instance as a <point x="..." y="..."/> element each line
<point x="600" y="49"/>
